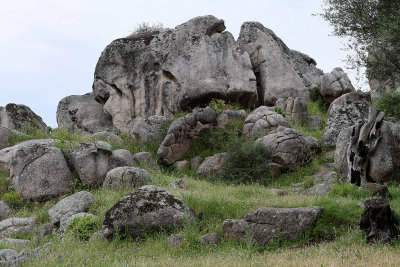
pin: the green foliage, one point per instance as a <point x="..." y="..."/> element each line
<point x="373" y="27"/>
<point x="82" y="228"/>
<point x="246" y="163"/>
<point x="316" y="97"/>
<point x="348" y="190"/>
<point x="390" y="104"/>
<point x="220" y="106"/>
<point x="13" y="199"/>
<point x="279" y="111"/>
<point x="4" y="182"/>
<point x="146" y="27"/>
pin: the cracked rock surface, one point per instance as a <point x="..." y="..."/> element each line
<point x="148" y="208"/>
<point x="334" y="84"/>
<point x="262" y="120"/>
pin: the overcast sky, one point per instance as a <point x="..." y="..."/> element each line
<point x="49" y="48"/>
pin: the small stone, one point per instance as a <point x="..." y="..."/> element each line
<point x="181" y="165"/>
<point x="378" y="190"/>
<point x="176" y="240"/>
<point x="210" y="239"/>
<point x="178" y="184"/>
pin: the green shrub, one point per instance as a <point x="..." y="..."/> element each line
<point x="82" y="227"/>
<point x="279" y="111"/>
<point x="13" y="199"/>
<point x="246" y="163"/>
<point x="4" y="182"/>
<point x="390" y="104"/>
<point x="348" y="190"/>
<point x="220" y="106"/>
<point x="316" y="97"/>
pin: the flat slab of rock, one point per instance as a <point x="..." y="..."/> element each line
<point x="66" y="207"/>
<point x="12" y="226"/>
<point x="148" y="208"/>
<point x="126" y="177"/>
<point x="265" y="224"/>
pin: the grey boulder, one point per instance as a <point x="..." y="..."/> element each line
<point x="211" y="165"/>
<point x="12" y="226"/>
<point x="126" y="177"/>
<point x="39" y="171"/>
<point x="183" y="132"/>
<point x="20" y="117"/>
<point x="334" y="84"/>
<point x="145" y="160"/>
<point x="266" y="225"/>
<point x="261" y="121"/>
<point x="82" y="112"/>
<point x="349" y="98"/>
<point x="294" y="108"/>
<point x="5" y="210"/>
<point x="147" y="209"/>
<point x="145" y="130"/>
<point x="76" y="203"/>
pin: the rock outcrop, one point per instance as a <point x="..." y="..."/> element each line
<point x="349" y="98"/>
<point x="280" y="72"/>
<point x="261" y="121"/>
<point x="82" y="112"/>
<point x="20" y="117"/>
<point x="266" y="225"/>
<point x="333" y="85"/>
<point x="39" y="171"/>
<point x="148" y="208"/>
<point x="163" y="72"/>
<point x="182" y="133"/>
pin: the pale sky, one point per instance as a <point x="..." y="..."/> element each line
<point x="49" y="48"/>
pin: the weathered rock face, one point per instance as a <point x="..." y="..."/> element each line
<point x="182" y="133"/>
<point x="289" y="148"/>
<point x="349" y="98"/>
<point x="20" y="117"/>
<point x="92" y="161"/>
<point x="149" y="208"/>
<point x="379" y="89"/>
<point x="379" y="221"/>
<point x="334" y="84"/>
<point x="280" y="72"/>
<point x="146" y="130"/>
<point x="76" y="203"/>
<point x="157" y="73"/>
<point x="5" y="158"/>
<point x="369" y="151"/>
<point x="39" y="171"/>
<point x="126" y="177"/>
<point x="211" y="165"/>
<point x="341" y="117"/>
<point x="229" y="115"/>
<point x="5" y="210"/>
<point x="13" y="226"/>
<point x="262" y="120"/>
<point x="264" y="224"/>
<point x="294" y="108"/>
<point x="82" y="112"/>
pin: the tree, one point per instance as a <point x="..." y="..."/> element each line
<point x="373" y="28"/>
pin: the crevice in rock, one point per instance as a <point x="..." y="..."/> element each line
<point x="187" y="104"/>
<point x="260" y="91"/>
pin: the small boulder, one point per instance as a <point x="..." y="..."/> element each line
<point x="333" y="85"/>
<point x="378" y="190"/>
<point x="266" y="223"/>
<point x="261" y="121"/>
<point x="319" y="189"/>
<point x="76" y="203"/>
<point x="126" y="177"/>
<point x="5" y="210"/>
<point x="313" y="144"/>
<point x="349" y="98"/>
<point x="180" y="165"/>
<point x="211" y="165"/>
<point x="123" y="157"/>
<point x="290" y="150"/>
<point x="176" y="240"/>
<point x="294" y="108"/>
<point x="178" y="184"/>
<point x="20" y="117"/>
<point x="148" y="208"/>
<point x="12" y="226"/>
<point x="147" y="130"/>
<point x="213" y="239"/>
<point x="379" y="221"/>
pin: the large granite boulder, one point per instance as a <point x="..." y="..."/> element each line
<point x="164" y="71"/>
<point x="20" y="117"/>
<point x="267" y="225"/>
<point x="379" y="221"/>
<point x="39" y="171"/>
<point x="66" y="207"/>
<point x="334" y="84"/>
<point x="261" y="121"/>
<point x="280" y="72"/>
<point x="82" y="112"/>
<point x="145" y="130"/>
<point x="92" y="161"/>
<point x="290" y="150"/>
<point x="341" y="117"/>
<point x="126" y="177"/>
<point x="147" y="209"/>
<point x="183" y="131"/>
